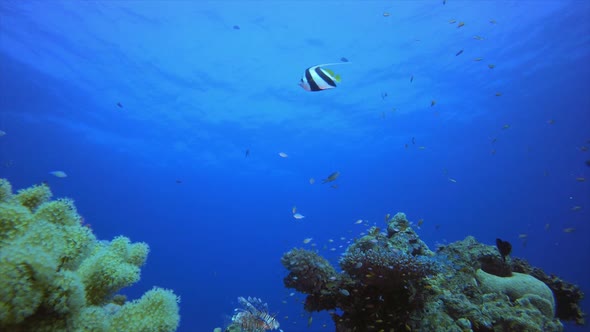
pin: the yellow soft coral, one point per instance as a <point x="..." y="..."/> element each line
<point x="14" y="221"/>
<point x="5" y="190"/>
<point x="56" y="276"/>
<point x="25" y="274"/>
<point x="34" y="196"/>
<point x="146" y="313"/>
<point x="59" y="212"/>
<point x="110" y="268"/>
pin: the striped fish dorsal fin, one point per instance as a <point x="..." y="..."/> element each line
<point x="333" y="76"/>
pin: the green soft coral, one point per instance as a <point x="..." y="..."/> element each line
<point x="56" y="276"/>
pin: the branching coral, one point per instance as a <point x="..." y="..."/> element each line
<point x="309" y="272"/>
<point x="56" y="276"/>
<point x="379" y="286"/>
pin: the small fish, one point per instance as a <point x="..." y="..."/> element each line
<point x="413" y="140"/>
<point x="547" y="225"/>
<point x="331" y="177"/>
<point x="330" y="240"/>
<point x="583" y="148"/>
<point x="452" y="180"/>
<point x="411" y="78"/>
<point x="59" y="174"/>
<point x="491" y="66"/>
<point x="2" y="133"/>
<point x="178" y="181"/>
<point x="343" y="59"/>
<point x="569" y="230"/>
<point x="344" y="292"/>
<point x="493" y="21"/>
<point x="444" y="2"/>
<point x="383" y="95"/>
<point x="477" y="59"/>
<point x="452" y="21"/>
<point x="459" y="53"/>
<point x="307" y="240"/>
<point x="478" y="37"/>
<point x="523" y="236"/>
<point x="247" y="153"/>
<point x="432" y="103"/>
<point x="236" y="27"/>
<point x="504" y="247"/>
<point x="498" y="94"/>
<point x="119" y="104"/>
<point x="460" y="24"/>
<point x="420" y="222"/>
<point x="386" y="14"/>
<point x="550" y="121"/>
<point x="317" y="79"/>
<point x="506" y="126"/>
<point x="309" y="321"/>
<point x="587" y="162"/>
<point x="311" y="180"/>
<point x="421" y="148"/>
<point x="298" y="216"/>
<point x="580" y="179"/>
<point x="294" y="209"/>
<point x="576" y="208"/>
<point x="358" y="222"/>
<point x="334" y="186"/>
<point x="283" y="155"/>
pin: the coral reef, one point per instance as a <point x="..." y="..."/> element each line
<point x="393" y="281"/>
<point x="56" y="276"/>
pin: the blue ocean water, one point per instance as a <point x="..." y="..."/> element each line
<point x="151" y="107"/>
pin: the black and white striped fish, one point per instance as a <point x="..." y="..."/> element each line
<point x="317" y="79"/>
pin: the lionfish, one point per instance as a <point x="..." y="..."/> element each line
<point x="254" y="316"/>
